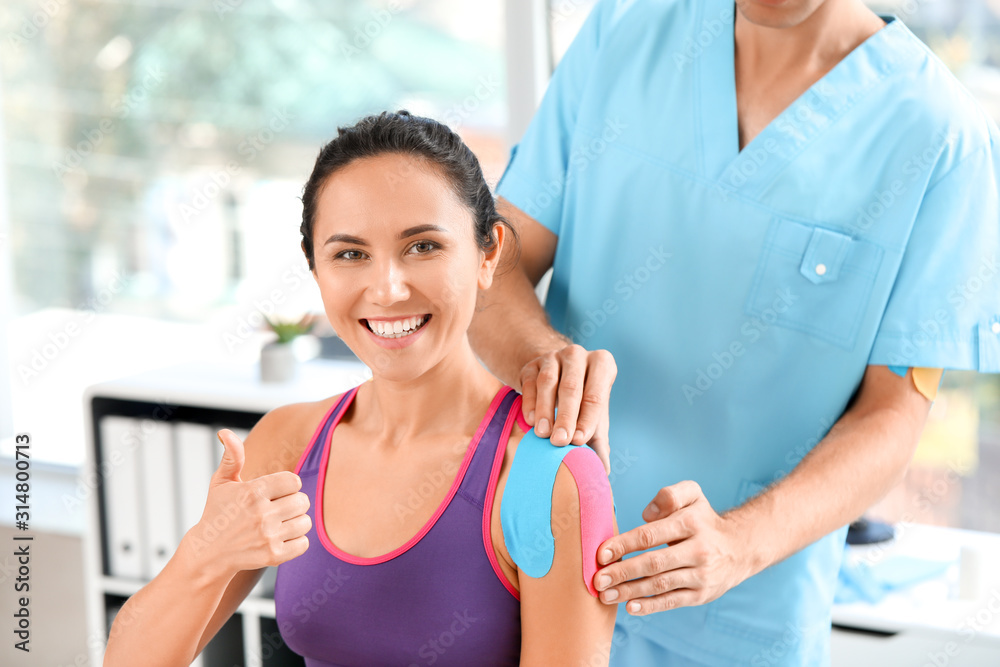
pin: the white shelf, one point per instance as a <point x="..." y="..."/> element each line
<point x="927" y="623"/>
<point x="234" y="386"/>
<point x="933" y="605"/>
<point x="262" y="606"/>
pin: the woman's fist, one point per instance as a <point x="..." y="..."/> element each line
<point x="253" y="524"/>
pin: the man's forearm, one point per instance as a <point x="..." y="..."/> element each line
<point x="860" y="460"/>
<point x="510" y="327"/>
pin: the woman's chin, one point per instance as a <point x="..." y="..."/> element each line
<point x="401" y="373"/>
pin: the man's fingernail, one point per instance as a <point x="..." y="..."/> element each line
<point x="652" y="508"/>
<point x="610" y="596"/>
<point x="634" y="606"/>
<point x="531" y="417"/>
<point x="606" y="556"/>
<point x="542" y="425"/>
<point x="603" y="581"/>
<point x="561" y="433"/>
<point x="578" y="434"/>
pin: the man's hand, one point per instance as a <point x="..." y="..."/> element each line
<point x="866" y="451"/>
<point x="578" y="383"/>
<point x="704" y="559"/>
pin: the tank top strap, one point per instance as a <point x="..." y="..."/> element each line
<point x="492" y="442"/>
<point x="310" y="461"/>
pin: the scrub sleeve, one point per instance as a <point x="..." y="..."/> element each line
<point x="944" y="309"/>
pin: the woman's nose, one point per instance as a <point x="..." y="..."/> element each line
<point x="390" y="284"/>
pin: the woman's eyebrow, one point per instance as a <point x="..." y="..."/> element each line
<point x="412" y="231"/>
<point x="345" y="238"/>
<point x="420" y="229"/>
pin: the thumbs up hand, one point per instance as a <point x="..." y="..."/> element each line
<point x="233" y="459"/>
<point x="250" y="524"/>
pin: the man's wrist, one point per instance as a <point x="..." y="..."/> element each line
<point x="553" y="342"/>
<point x="750" y="530"/>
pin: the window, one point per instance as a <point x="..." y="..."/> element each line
<point x="954" y="479"/>
<point x="159" y="148"/>
<point x="156" y="152"/>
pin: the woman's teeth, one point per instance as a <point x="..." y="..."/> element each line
<point x="397" y="329"/>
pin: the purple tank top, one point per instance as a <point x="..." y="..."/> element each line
<point x="440" y="599"/>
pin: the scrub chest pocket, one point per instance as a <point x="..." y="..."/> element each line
<point x="814" y="280"/>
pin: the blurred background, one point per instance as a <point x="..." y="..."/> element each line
<point x="154" y="152"/>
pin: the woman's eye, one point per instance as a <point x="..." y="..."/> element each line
<point x="355" y="254"/>
<point x="426" y="245"/>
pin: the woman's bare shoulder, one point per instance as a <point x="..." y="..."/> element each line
<point x="279" y="438"/>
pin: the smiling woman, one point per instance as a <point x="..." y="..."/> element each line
<point x="421" y="175"/>
<point x="416" y="518"/>
<point x="395" y="514"/>
<point x="412" y="237"/>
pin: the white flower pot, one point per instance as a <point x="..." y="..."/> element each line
<point x="277" y="362"/>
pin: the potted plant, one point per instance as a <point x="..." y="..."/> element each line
<point x="277" y="357"/>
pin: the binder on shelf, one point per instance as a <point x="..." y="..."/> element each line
<point x="158" y="486"/>
<point x="194" y="446"/>
<point x="121" y="442"/>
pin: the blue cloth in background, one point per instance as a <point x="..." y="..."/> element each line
<point x="861" y="582"/>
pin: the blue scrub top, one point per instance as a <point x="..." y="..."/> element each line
<point x="743" y="293"/>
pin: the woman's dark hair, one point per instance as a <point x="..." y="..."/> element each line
<point x="404" y="133"/>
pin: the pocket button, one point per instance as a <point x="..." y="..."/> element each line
<point x="824" y="255"/>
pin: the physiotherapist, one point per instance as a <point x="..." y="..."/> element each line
<point x="772" y="226"/>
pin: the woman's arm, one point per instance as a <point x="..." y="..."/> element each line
<point x="562" y="622"/>
<point x="162" y="623"/>
<point x="170" y="620"/>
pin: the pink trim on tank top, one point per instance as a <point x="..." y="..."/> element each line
<point x="490" y="497"/>
<point x="315" y="435"/>
<point x="522" y="422"/>
<point x="375" y="560"/>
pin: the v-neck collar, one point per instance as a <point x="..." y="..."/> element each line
<point x="750" y="171"/>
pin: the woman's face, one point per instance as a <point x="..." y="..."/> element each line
<point x="395" y="252"/>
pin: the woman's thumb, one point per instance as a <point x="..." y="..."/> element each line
<point x="232" y="461"/>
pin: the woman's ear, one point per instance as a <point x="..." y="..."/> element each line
<point x="492" y="259"/>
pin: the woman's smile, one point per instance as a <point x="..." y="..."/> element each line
<point x="398" y="333"/>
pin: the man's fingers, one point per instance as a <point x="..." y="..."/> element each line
<point x="645" y="565"/>
<point x="681" y="597"/>
<point x="665" y="531"/>
<point x="546" y="385"/>
<point x="580" y="382"/>
<point x="529" y="375"/>
<point x="656" y="583"/>
<point x="596" y="399"/>
<point x="671" y="498"/>
<point x="572" y="376"/>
